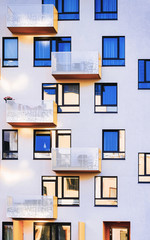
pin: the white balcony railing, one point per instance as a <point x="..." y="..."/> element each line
<point x="76" y="159"/>
<point x="76" y="65"/>
<point x="32" y="207"/>
<point x="29" y="113"/>
<point x="36" y="16"/>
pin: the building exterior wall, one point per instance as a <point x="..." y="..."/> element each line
<point x="23" y="176"/>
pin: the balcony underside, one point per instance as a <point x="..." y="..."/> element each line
<point x="76" y="76"/>
<point x="33" y="30"/>
<point x="23" y="124"/>
<point x="76" y="170"/>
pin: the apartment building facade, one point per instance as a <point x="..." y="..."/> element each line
<point x="74" y="126"/>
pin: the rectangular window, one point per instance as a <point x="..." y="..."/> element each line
<point x="106" y="97"/>
<point x="44" y="140"/>
<point x="44" y="46"/>
<point x="106" y="191"/>
<point x="7" y="231"/>
<point x="10" y="52"/>
<point x="144" y="73"/>
<point x="113" y="51"/>
<point x="116" y="230"/>
<point x="65" y="188"/>
<point x="106" y="9"/>
<point x="52" y="231"/>
<point x="67" y="9"/>
<point x="66" y="95"/>
<point x="144" y="168"/>
<point x="10" y="144"/>
<point x="113" y="144"/>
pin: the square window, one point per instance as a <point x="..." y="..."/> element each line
<point x="44" y="46"/>
<point x="67" y="96"/>
<point x="67" y="9"/>
<point x="7" y="230"/>
<point x="113" y="51"/>
<point x="10" y="52"/>
<point x="116" y="230"/>
<point x="10" y="144"/>
<point x="144" y="74"/>
<point x="144" y="168"/>
<point x="65" y="188"/>
<point x="113" y="144"/>
<point x="106" y="97"/>
<point x="42" y="144"/>
<point x="106" y="191"/>
<point x="106" y="9"/>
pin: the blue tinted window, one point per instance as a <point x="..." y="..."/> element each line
<point x="10" y="48"/>
<point x="42" y="143"/>
<point x="67" y="9"/>
<point x="110" y="141"/>
<point x="113" y="51"/>
<point x="148" y="71"/>
<point x="144" y="74"/>
<point x="106" y="9"/>
<point x="109" y="95"/>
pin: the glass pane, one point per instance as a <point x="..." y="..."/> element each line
<point x="109" y="188"/>
<point x="71" y="5"/>
<point x="141" y="164"/>
<point x="98" y="5"/>
<point x="111" y="141"/>
<point x="8" y="232"/>
<point x="49" y="188"/>
<point x="63" y="232"/>
<point x="42" y="232"/>
<point x="10" y="141"/>
<point x="109" y="5"/>
<point x="141" y="70"/>
<point x="42" y="142"/>
<point x="49" y="94"/>
<point x="119" y="234"/>
<point x="147" y="164"/>
<point x="64" y="141"/>
<point x="71" y="187"/>
<point x="42" y="49"/>
<point x="10" y="48"/>
<point x="110" y="48"/>
<point x="64" y="47"/>
<point x="109" y="95"/>
<point x="71" y="94"/>
<point x="121" y="47"/>
<point x="147" y="70"/>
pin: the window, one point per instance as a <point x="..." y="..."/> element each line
<point x="116" y="230"/>
<point x="44" y="46"/>
<point x="7" y="231"/>
<point x="106" y="191"/>
<point x="67" y="96"/>
<point x="144" y="73"/>
<point x="10" y="144"/>
<point x="44" y="140"/>
<point x="113" y="144"/>
<point x="52" y="231"/>
<point x="10" y="52"/>
<point x="65" y="188"/>
<point x="105" y="9"/>
<point x="67" y="9"/>
<point x="144" y="168"/>
<point x="113" y="51"/>
<point x="106" y="97"/>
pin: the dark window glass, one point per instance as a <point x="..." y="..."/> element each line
<point x="106" y="9"/>
<point x="144" y="74"/>
<point x="7" y="231"/>
<point x="111" y="141"/>
<point x="44" y="46"/>
<point x="67" y="9"/>
<point x="113" y="51"/>
<point x="10" y="52"/>
<point x="42" y="144"/>
<point x="10" y="144"/>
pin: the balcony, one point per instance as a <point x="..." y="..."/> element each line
<point x="76" y="65"/>
<point x="32" y="19"/>
<point x="32" y="114"/>
<point x="76" y="160"/>
<point x="32" y="207"/>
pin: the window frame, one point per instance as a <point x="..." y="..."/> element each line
<point x="57" y="96"/>
<point x="9" y="59"/>
<point x="50" y="39"/>
<point x="107" y="19"/>
<point x="66" y="12"/>
<point x="145" y="167"/>
<point x="104" y="198"/>
<point x="113" y="130"/>
<point x="9" y="130"/>
<point x="118" y="51"/>
<point x="3" y="225"/>
<point x="105" y="84"/>
<point x="62" y="189"/>
<point x="50" y="224"/>
<point x="145" y="60"/>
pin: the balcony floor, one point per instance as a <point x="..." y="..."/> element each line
<point x="33" y="30"/>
